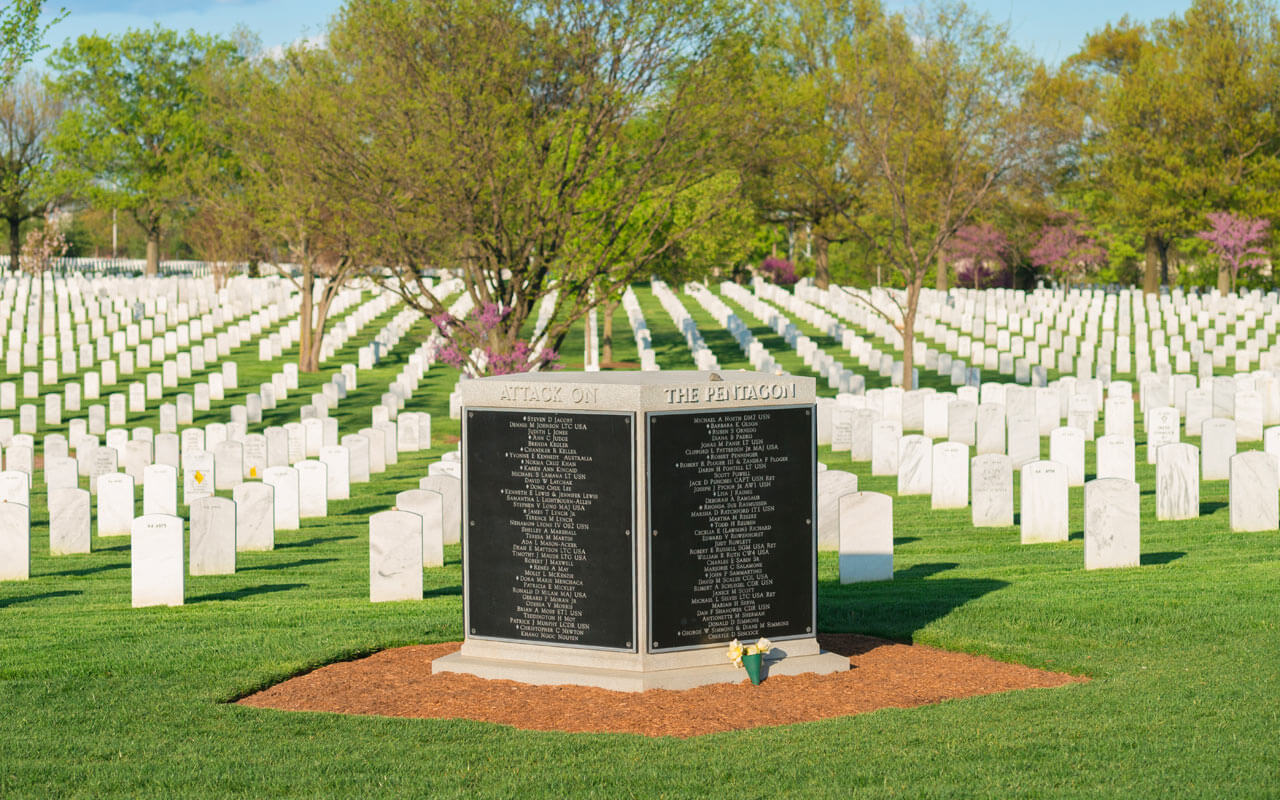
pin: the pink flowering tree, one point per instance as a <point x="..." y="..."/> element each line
<point x="981" y="255"/>
<point x="779" y="271"/>
<point x="474" y="343"/>
<point x="1237" y="242"/>
<point x="1068" y="250"/>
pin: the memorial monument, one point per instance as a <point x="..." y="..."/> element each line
<point x="621" y="528"/>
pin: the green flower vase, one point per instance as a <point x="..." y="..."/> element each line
<point x="754" y="664"/>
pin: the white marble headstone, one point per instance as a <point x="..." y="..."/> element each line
<point x="213" y="536"/>
<point x="395" y="556"/>
<point x="1043" y="512"/>
<point x="1111" y="524"/>
<point x="157" y="560"/>
<point x="866" y="537"/>
<point x="284" y="480"/>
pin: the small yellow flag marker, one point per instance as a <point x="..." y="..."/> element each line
<point x="253" y="472"/>
<point x="199" y="476"/>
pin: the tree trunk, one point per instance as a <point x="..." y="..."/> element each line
<point x="909" y="333"/>
<point x="606" y="336"/>
<point x="15" y="243"/>
<point x="305" y="313"/>
<point x="1151" y="272"/>
<point x="821" y="269"/>
<point x="153" y="252"/>
<point x="941" y="284"/>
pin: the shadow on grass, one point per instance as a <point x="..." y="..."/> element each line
<point x="1161" y="558"/>
<point x="304" y="562"/>
<point x="898" y="608"/>
<point x="443" y="591"/>
<point x="1210" y="506"/>
<point x="248" y="591"/>
<point x="897" y="540"/>
<point x="313" y="540"/>
<point x="13" y="601"/>
<point x="73" y="573"/>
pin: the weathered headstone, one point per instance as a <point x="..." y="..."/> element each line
<point x="832" y="485"/>
<point x="1253" y="492"/>
<point x="1111" y="524"/>
<point x="992" y="491"/>
<point x="395" y="556"/>
<point x="915" y="465"/>
<point x="213" y="536"/>
<point x="255" y="516"/>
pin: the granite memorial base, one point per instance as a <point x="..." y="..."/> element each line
<point x="619" y="529"/>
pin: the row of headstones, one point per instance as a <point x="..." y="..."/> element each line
<point x="172" y="415"/>
<point x="218" y="531"/>
<point x="1112" y="528"/>
<point x="127" y="321"/>
<point x="139" y="344"/>
<point x="853" y="306"/>
<point x="639" y="331"/>
<point x="1253" y="487"/>
<point x="703" y="358"/>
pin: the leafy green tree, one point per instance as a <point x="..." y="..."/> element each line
<point x="797" y="161"/>
<point x="1182" y="122"/>
<point x="133" y="124"/>
<point x="538" y="147"/>
<point x="941" y="111"/>
<point x="28" y="116"/>
<point x="22" y="35"/>
<point x="274" y="181"/>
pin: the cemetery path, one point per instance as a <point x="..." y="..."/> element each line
<point x="882" y="674"/>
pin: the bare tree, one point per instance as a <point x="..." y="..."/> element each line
<point x="28" y="115"/>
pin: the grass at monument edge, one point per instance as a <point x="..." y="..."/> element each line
<point x="103" y="700"/>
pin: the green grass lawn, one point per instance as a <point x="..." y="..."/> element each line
<point x="100" y="699"/>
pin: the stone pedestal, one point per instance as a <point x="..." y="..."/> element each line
<point x="620" y="528"/>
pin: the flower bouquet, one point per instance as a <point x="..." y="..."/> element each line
<point x="750" y="657"/>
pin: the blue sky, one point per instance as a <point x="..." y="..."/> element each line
<point x="1052" y="30"/>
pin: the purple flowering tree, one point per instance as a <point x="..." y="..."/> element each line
<point x="1068" y="250"/>
<point x="1237" y="242"/>
<point x="981" y="255"/>
<point x="480" y="332"/>
<point x="779" y="271"/>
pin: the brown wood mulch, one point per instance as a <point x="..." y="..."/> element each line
<point x="885" y="674"/>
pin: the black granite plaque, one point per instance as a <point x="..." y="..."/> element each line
<point x="549" y="549"/>
<point x="732" y="542"/>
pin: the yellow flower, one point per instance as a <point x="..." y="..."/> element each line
<point x="763" y="645"/>
<point x="735" y="652"/>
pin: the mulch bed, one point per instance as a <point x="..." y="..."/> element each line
<point x="885" y="674"/>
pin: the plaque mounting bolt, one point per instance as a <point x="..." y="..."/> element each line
<point x="655" y="532"/>
<point x="626" y="533"/>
